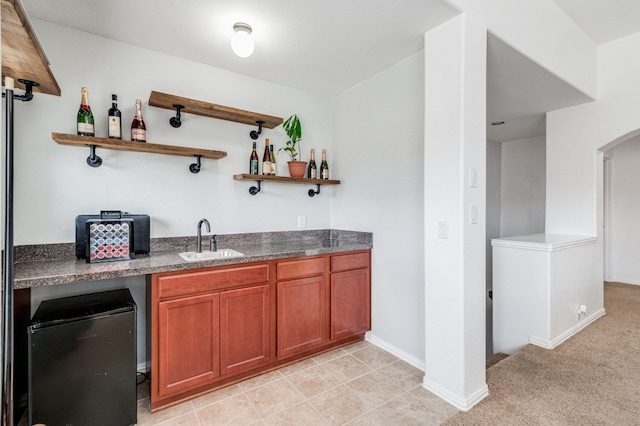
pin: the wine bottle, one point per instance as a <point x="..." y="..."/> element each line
<point x="85" y="116"/>
<point x="312" y="171"/>
<point x="253" y="161"/>
<point x="324" y="166"/>
<point x="266" y="159"/>
<point x="138" y="129"/>
<point x="273" y="160"/>
<point x="115" y="124"/>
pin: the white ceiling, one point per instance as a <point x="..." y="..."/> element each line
<point x="604" y="20"/>
<point x="328" y="46"/>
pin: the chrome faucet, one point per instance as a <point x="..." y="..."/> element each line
<point x="199" y="241"/>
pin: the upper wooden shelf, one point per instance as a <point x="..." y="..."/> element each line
<point x="164" y="100"/>
<point x="286" y="179"/>
<point x="22" y="54"/>
<point x="122" y="145"/>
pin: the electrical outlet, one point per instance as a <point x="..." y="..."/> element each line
<point x="302" y="221"/>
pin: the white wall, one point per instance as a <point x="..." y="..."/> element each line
<point x="378" y="124"/>
<point x="625" y="204"/>
<point x="54" y="183"/>
<point x="523" y="187"/>
<point x="574" y="136"/>
<point x="455" y="145"/>
<point x="541" y="31"/>
<point x="494" y="172"/>
<point x="575" y="139"/>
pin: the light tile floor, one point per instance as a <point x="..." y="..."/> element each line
<point x="359" y="384"/>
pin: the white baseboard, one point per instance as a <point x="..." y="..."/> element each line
<point x="550" y="344"/>
<point x="464" y="404"/>
<point x="406" y="357"/>
<point x="626" y="281"/>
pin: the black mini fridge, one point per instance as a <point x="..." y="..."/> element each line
<point x="82" y="361"/>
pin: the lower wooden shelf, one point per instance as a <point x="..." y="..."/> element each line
<point x="122" y="145"/>
<point x="285" y="179"/>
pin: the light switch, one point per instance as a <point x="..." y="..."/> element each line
<point x="473" y="177"/>
<point x="473" y="213"/>
<point x="443" y="230"/>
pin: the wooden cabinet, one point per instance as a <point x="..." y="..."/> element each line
<point x="207" y="324"/>
<point x="188" y="343"/>
<point x="301" y="302"/>
<point x="301" y="315"/>
<point x="244" y="329"/>
<point x="215" y="326"/>
<point x="350" y="290"/>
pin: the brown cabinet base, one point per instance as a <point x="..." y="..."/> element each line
<point x="214" y="327"/>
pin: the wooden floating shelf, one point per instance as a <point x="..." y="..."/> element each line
<point x="286" y="179"/>
<point x="122" y="145"/>
<point x="207" y="109"/>
<point x="22" y="54"/>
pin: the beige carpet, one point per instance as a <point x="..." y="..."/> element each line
<point x="591" y="379"/>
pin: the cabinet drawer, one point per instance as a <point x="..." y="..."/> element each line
<point x="301" y="268"/>
<point x="347" y="261"/>
<point x="206" y="281"/>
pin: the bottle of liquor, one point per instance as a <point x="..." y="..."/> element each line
<point x="115" y="124"/>
<point x="85" y="116"/>
<point x="253" y="161"/>
<point x="266" y="159"/>
<point x="138" y="129"/>
<point x="324" y="166"/>
<point x="273" y="160"/>
<point x="312" y="171"/>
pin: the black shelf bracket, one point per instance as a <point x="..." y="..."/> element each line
<point x="176" y="121"/>
<point x="93" y="160"/>
<point x="313" y="193"/>
<point x="195" y="167"/>
<point x="254" y="190"/>
<point x="254" y="134"/>
<point x="28" y="90"/>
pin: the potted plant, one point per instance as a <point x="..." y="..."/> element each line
<point x="293" y="128"/>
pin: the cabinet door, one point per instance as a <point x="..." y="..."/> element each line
<point x="301" y="315"/>
<point x="188" y="343"/>
<point x="244" y="329"/>
<point x="350" y="303"/>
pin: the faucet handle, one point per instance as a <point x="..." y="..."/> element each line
<point x="213" y="244"/>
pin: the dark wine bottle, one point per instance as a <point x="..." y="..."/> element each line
<point x="115" y="122"/>
<point x="138" y="129"/>
<point x="273" y="160"/>
<point x="324" y="166"/>
<point x="85" y="116"/>
<point x="266" y="159"/>
<point x="253" y="161"/>
<point x="312" y="171"/>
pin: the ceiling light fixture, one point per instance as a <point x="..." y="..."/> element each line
<point x="241" y="42"/>
<point x="497" y="123"/>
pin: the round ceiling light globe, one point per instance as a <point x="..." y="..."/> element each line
<point x="242" y="43"/>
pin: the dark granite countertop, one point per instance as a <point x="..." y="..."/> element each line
<point x="54" y="264"/>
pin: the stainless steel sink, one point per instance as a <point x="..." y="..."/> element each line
<point x="192" y="256"/>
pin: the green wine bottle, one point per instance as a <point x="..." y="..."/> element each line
<point x="85" y="116"/>
<point x="324" y="166"/>
<point x="312" y="171"/>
